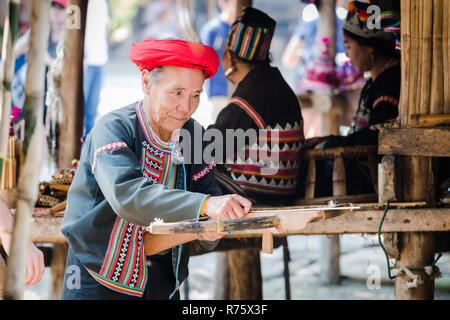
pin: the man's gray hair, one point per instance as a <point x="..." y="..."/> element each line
<point x="154" y="75"/>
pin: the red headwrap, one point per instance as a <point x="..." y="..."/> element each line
<point x="152" y="53"/>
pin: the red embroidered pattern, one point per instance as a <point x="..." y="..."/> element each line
<point x="388" y="99"/>
<point x="250" y="111"/>
<point x="111" y="146"/>
<point x="205" y="171"/>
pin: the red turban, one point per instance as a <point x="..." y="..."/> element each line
<point x="152" y="53"/>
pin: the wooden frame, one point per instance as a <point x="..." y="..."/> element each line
<point x="46" y="228"/>
<point x="424" y="142"/>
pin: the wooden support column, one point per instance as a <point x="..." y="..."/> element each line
<point x="330" y="245"/>
<point x="416" y="249"/>
<point x="71" y="129"/>
<point x="221" y="280"/>
<point x="57" y="268"/>
<point x="34" y="138"/>
<point x="245" y="275"/>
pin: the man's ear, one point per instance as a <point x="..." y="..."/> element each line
<point x="146" y="82"/>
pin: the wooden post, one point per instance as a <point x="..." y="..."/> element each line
<point x="32" y="150"/>
<point x="245" y="275"/>
<point x="331" y="252"/>
<point x="72" y="100"/>
<point x="57" y="268"/>
<point x="222" y="277"/>
<point x="407" y="42"/>
<point x="437" y="73"/>
<point x="10" y="35"/>
<point x="416" y="249"/>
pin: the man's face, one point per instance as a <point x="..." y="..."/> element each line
<point x="173" y="98"/>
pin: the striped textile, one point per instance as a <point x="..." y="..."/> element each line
<point x="282" y="143"/>
<point x="124" y="267"/>
<point x="251" y="42"/>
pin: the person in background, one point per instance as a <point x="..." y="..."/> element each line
<point x="35" y="259"/>
<point x="159" y="20"/>
<point x="95" y="58"/>
<point x="214" y="34"/>
<point x="57" y="25"/>
<point x="262" y="101"/>
<point x="375" y="51"/>
<point x="302" y="45"/>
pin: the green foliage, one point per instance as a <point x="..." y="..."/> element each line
<point x="122" y="14"/>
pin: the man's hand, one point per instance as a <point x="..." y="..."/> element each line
<point x="231" y="206"/>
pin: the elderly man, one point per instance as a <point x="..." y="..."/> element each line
<point x="132" y="171"/>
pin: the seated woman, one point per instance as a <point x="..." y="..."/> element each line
<point x="264" y="102"/>
<point x="373" y="50"/>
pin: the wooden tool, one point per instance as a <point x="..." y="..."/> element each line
<point x="266" y="222"/>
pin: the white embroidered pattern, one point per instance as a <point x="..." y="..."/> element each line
<point x="205" y="171"/>
<point x="107" y="147"/>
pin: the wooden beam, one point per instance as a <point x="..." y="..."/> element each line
<point x="425" y="142"/>
<point x="48" y="228"/>
<point x="397" y="220"/>
<point x="430" y="120"/>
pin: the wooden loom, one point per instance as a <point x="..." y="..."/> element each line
<point x="264" y="221"/>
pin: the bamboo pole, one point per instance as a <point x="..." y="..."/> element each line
<point x="437" y="74"/>
<point x="406" y="58"/>
<point x="10" y="35"/>
<point x="417" y="34"/>
<point x="427" y="56"/>
<point x="446" y="54"/>
<point x="71" y="128"/>
<point x="32" y="150"/>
